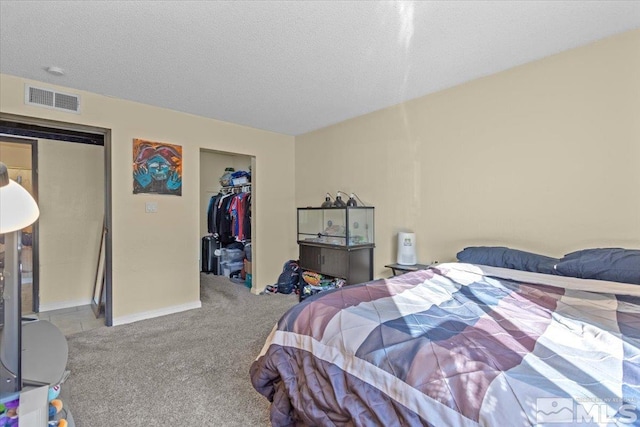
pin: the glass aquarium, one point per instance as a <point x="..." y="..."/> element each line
<point x="346" y="226"/>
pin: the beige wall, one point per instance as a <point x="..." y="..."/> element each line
<point x="17" y="158"/>
<point x="71" y="200"/>
<point x="156" y="256"/>
<point x="544" y="157"/>
<point x="15" y="155"/>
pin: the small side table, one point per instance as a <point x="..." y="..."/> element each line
<point x="406" y="268"/>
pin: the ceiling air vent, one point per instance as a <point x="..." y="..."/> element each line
<point x="52" y="99"/>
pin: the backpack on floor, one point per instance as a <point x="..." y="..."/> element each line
<point x="288" y="279"/>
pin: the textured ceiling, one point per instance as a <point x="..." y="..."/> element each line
<point x="289" y="67"/>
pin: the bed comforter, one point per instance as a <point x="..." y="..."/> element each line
<point x="453" y="346"/>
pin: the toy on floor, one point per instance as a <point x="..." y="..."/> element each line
<point x="54" y="392"/>
<point x="55" y="406"/>
<point x="9" y="413"/>
<point x="5" y="421"/>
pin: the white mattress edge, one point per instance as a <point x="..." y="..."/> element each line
<point x="573" y="283"/>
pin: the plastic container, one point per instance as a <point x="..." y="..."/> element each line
<point x="247" y="280"/>
<point x="229" y="268"/>
<point x="247" y="251"/>
<point x="239" y="181"/>
<point x="225" y="179"/>
<point x="231" y="255"/>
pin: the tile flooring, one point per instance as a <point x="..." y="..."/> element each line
<point x="71" y="320"/>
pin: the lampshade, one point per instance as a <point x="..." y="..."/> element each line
<point x="17" y="208"/>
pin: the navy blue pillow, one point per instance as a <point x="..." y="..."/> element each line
<point x="614" y="264"/>
<point x="499" y="256"/>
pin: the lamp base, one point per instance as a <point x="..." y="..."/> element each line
<point x="9" y="383"/>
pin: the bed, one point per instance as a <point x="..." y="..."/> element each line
<point x="457" y="345"/>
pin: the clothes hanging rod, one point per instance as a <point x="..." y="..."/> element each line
<point x="224" y="187"/>
<point x="241" y="188"/>
<point x="236" y="186"/>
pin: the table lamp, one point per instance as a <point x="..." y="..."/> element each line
<point x="18" y="210"/>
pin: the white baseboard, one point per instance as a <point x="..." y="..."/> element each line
<point x="62" y="304"/>
<point x="156" y="313"/>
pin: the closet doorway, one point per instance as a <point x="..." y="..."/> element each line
<point x="73" y="191"/>
<point x="226" y="181"/>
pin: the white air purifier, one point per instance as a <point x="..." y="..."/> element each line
<point x="407" y="249"/>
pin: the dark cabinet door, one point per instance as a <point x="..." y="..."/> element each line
<point x="360" y="266"/>
<point x="310" y="258"/>
<point x="355" y="266"/>
<point x="335" y="262"/>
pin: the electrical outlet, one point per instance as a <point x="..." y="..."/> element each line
<point x="151" y="207"/>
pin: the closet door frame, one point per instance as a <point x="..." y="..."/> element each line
<point x="208" y="189"/>
<point x="43" y="125"/>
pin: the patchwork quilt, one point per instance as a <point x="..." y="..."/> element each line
<point x="452" y="346"/>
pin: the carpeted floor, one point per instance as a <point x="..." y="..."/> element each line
<point x="185" y="369"/>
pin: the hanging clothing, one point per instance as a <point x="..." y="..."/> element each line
<point x="247" y="217"/>
<point x="211" y="214"/>
<point x="224" y="219"/>
<point x="236" y="210"/>
<point x="229" y="217"/>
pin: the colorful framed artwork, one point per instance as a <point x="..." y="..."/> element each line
<point x="157" y="168"/>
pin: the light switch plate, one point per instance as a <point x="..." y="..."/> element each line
<point x="151" y="207"/>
